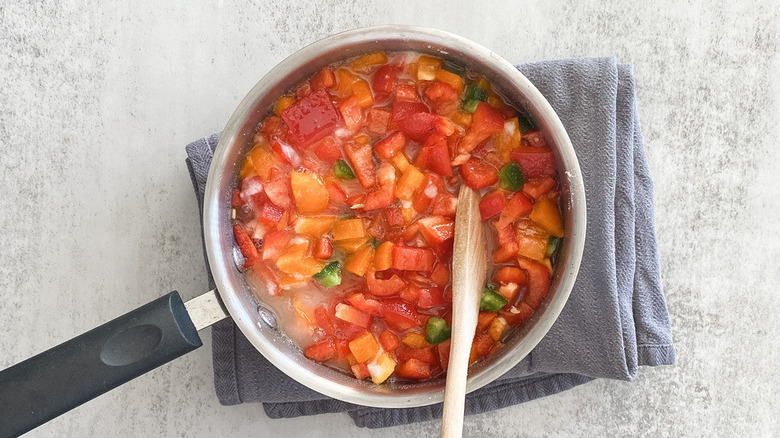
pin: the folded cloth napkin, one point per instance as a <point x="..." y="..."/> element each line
<point x="616" y="317"/>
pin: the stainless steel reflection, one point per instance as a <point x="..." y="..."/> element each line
<point x="236" y="140"/>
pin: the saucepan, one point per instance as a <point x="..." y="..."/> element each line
<point x="51" y="383"/>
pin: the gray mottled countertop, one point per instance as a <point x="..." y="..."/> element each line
<point x="97" y="101"/>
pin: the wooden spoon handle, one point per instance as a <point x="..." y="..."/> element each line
<point x="469" y="263"/>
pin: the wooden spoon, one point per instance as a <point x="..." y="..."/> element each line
<point x="469" y="263"/>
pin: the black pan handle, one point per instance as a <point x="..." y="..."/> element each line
<point x="47" y="385"/>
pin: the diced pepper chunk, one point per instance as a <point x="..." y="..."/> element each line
<point x="359" y="261"/>
<point x="383" y="81"/>
<point x="364" y="348"/>
<point x="383" y="257"/>
<point x="388" y="340"/>
<point x="478" y="174"/>
<point x="330" y="275"/>
<point x="377" y="121"/>
<point x="274" y="243"/>
<point x="427" y="67"/>
<point x="321" y="351"/>
<point x="314" y="226"/>
<point x="491" y="204"/>
<point x="352" y="245"/>
<point x="414" y="369"/>
<point x="367" y="305"/>
<point x="360" y="370"/>
<point x="437" y="331"/>
<point x="517" y="315"/>
<point x="324" y="79"/>
<point x="247" y="247"/>
<point x="311" y="196"/>
<point x="518" y="205"/>
<point x="538" y="281"/>
<point x="412" y="259"/>
<point x="435" y="155"/>
<point x="399" y="314"/>
<point x="415" y="340"/>
<point x="388" y="147"/>
<point x="511" y="274"/>
<point x="491" y="300"/>
<point x="351" y="112"/>
<point x="545" y="213"/>
<point x="311" y="118"/>
<point x="382" y="368"/>
<point x="347" y="313"/>
<point x="497" y="328"/>
<point x="411" y="180"/>
<point x="369" y="60"/>
<point x="531" y="240"/>
<point x="485" y="122"/>
<point x="345" y="229"/>
<point x="384" y="195"/>
<point x="536" y="162"/>
<point x="362" y="163"/>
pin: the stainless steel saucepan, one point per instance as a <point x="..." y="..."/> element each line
<point x="51" y="383"/>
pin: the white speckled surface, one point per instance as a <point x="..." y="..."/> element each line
<point x="97" y="101"/>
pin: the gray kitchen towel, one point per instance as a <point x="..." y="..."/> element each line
<point x="616" y="317"/>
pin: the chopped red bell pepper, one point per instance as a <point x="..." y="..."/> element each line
<point x="411" y="293"/>
<point x="517" y="315"/>
<point x="506" y="252"/>
<point x="518" y="205"/>
<point x="485" y="122"/>
<point x="430" y="297"/>
<point x="399" y="315"/>
<point x="274" y="243"/>
<point x="384" y="195"/>
<point x="351" y="112"/>
<point x="274" y="128"/>
<point x="323" y="249"/>
<point x="368" y="305"/>
<point x="327" y="150"/>
<point x="311" y="118"/>
<point x="394" y="217"/>
<point x="443" y="350"/>
<point x="384" y="288"/>
<point x="286" y="153"/>
<point x="413" y="369"/>
<point x="427" y="193"/>
<point x="247" y="247"/>
<point x="324" y="79"/>
<point x="478" y="174"/>
<point x="419" y="126"/>
<point x="533" y="138"/>
<point x="403" y="108"/>
<point x="412" y="259"/>
<point x="352" y="315"/>
<point x="435" y="156"/>
<point x="362" y="161"/>
<point x="535" y="162"/>
<point x="268" y="214"/>
<point x="538" y="187"/>
<point x="377" y="121"/>
<point x="360" y="370"/>
<point x="491" y="204"/>
<point x="321" y="351"/>
<point x="425" y="354"/>
<point x="383" y="81"/>
<point x="538" y="281"/>
<point x="324" y="320"/>
<point x="445" y="204"/>
<point x="440" y="92"/>
<point x="336" y="194"/>
<point x="388" y="340"/>
<point x="390" y="145"/>
<point x="405" y="92"/>
<point x="438" y="231"/>
<point x="511" y="274"/>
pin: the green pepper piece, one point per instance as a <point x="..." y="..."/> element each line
<point x="342" y="170"/>
<point x="491" y="300"/>
<point x="524" y="123"/>
<point x="470" y="105"/>
<point x="437" y="331"/>
<point x="475" y="92"/>
<point x="330" y="275"/>
<point x="511" y="177"/>
<point x="552" y="245"/>
<point x="454" y="67"/>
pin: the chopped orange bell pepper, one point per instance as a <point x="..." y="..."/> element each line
<point x="415" y="340"/>
<point x="401" y="162"/>
<point x="363" y="94"/>
<point x="497" y="328"/>
<point x="247" y="169"/>
<point x="383" y="257"/>
<point x="427" y="67"/>
<point x="348" y="229"/>
<point x="282" y="103"/>
<point x="450" y="78"/>
<point x="531" y="240"/>
<point x="364" y="347"/>
<point x="346" y="79"/>
<point x="352" y="245"/>
<point x="546" y="215"/>
<point x="369" y="60"/>
<point x="462" y="119"/>
<point x="411" y="180"/>
<point x="382" y="368"/>
<point x="314" y="226"/>
<point x="359" y="261"/>
<point x="311" y="195"/>
<point x="294" y="261"/>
